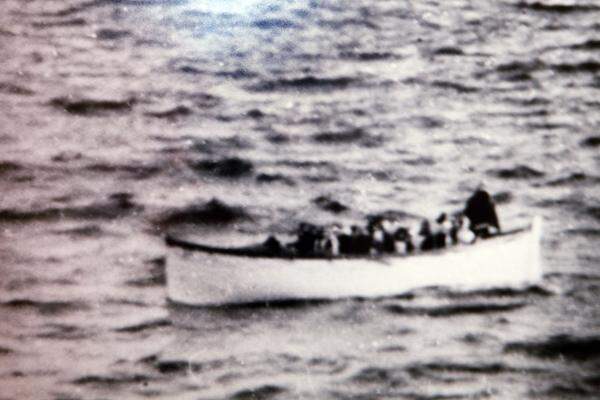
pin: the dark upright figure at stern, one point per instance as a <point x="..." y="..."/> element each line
<point x="481" y="211"/>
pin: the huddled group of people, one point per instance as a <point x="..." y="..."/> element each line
<point x="387" y="236"/>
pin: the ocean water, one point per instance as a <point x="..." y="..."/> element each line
<point x="223" y="121"/>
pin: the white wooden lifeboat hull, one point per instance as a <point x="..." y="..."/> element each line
<point x="200" y="278"/>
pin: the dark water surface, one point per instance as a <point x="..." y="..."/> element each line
<point x="123" y="119"/>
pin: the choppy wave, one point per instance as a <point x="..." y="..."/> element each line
<point x="118" y="205"/>
<point x="210" y="146"/>
<point x="487" y="368"/>
<point x="567" y="390"/>
<point x="171" y="114"/>
<point x="44" y="307"/>
<point x="305" y="83"/>
<point x="83" y="231"/>
<point x="590" y="44"/>
<point x="587" y="232"/>
<point x="63" y="332"/>
<point x="376" y="375"/>
<point x="455" y="86"/>
<point x="530" y="101"/>
<point x="213" y="212"/>
<point x="369" y="56"/>
<point x="241" y="73"/>
<point x="9" y="166"/>
<point x="572" y="68"/>
<point x="60" y="23"/>
<point x="592" y="141"/>
<point x="502" y="197"/>
<point x="593" y="212"/>
<point x="274" y="23"/>
<point x="112" y="34"/>
<point x="145" y="326"/>
<point x="112" y="380"/>
<point x="574" y="179"/>
<point x="557" y="8"/>
<point x="92" y="106"/>
<point x="520" y="67"/>
<point x="183" y="366"/>
<point x="73" y="9"/>
<point x="455" y="309"/>
<point x="350" y="22"/>
<point x="255" y="113"/>
<point x="234" y="167"/>
<point x="566" y="346"/>
<point x="327" y="204"/>
<point x="570" y="203"/>
<point x="127" y="171"/>
<point x="11" y="88"/>
<point x="263" y="392"/>
<point x="156" y="276"/>
<point x="342" y="137"/>
<point x="532" y="290"/>
<point x="517" y="172"/>
<point x="274" y="178"/>
<point x="449" y="51"/>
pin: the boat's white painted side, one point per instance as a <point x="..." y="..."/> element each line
<point x="198" y="278"/>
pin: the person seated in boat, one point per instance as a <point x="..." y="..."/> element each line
<point x="389" y="228"/>
<point x="381" y="236"/>
<point x="464" y="234"/>
<point x="427" y="241"/>
<point x="439" y="231"/>
<point x="345" y="240"/>
<point x="445" y="231"/>
<point x="481" y="212"/>
<point x="455" y="224"/>
<point x="329" y="245"/>
<point x="361" y="241"/>
<point x="403" y="241"/>
<point x="377" y="238"/>
<point x="273" y="246"/>
<point x="306" y="244"/>
<point x="414" y="235"/>
<point x="376" y="234"/>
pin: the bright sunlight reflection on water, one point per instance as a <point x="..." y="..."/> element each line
<point x="232" y="6"/>
<point x="228" y="26"/>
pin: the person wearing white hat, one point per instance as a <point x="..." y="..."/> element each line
<point x="464" y="235"/>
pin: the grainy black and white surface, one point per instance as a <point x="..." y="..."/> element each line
<point x="121" y="119"/>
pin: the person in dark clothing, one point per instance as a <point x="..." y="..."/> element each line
<point x="455" y="224"/>
<point x="273" y="246"/>
<point x="376" y="233"/>
<point x="307" y="239"/>
<point x="328" y="244"/>
<point x="441" y="231"/>
<point x="361" y="241"/>
<point x="428" y="242"/>
<point x="389" y="244"/>
<point x="346" y="242"/>
<point x="439" y="240"/>
<point x="481" y="211"/>
<point x="402" y="235"/>
<point x="382" y="240"/>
